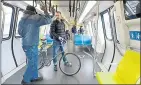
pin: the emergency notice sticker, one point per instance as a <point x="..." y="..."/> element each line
<point x="135" y="35"/>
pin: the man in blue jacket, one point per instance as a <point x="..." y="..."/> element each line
<point x="28" y="29"/>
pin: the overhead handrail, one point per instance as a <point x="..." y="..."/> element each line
<point x="46" y="5"/>
<point x="73" y="7"/>
<point x="70" y="7"/>
<point x="49" y="5"/>
<point x="56" y="8"/>
<point x="79" y="4"/>
<point x="76" y="12"/>
<point x="34" y="1"/>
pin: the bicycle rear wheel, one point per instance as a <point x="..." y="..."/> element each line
<point x="75" y="64"/>
<point x="41" y="60"/>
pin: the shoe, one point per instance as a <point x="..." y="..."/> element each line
<point x="24" y="83"/>
<point x="55" y="67"/>
<point x="38" y="79"/>
<point x="68" y="64"/>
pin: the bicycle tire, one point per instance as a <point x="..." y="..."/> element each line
<point x="74" y="72"/>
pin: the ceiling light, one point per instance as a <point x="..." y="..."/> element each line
<point x="88" y="7"/>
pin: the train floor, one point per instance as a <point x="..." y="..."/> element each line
<point x="84" y="76"/>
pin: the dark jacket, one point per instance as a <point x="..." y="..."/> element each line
<point x="81" y="30"/>
<point x="74" y="29"/>
<point x="57" y="29"/>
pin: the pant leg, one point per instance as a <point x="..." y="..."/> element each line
<point x="55" y="50"/>
<point x="63" y="53"/>
<point x="31" y="70"/>
<point x="35" y="61"/>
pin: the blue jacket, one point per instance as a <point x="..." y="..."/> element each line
<point x="28" y="27"/>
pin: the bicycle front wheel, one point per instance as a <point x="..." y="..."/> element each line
<point x="74" y="64"/>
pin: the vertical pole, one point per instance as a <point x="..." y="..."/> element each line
<point x="95" y="53"/>
<point x="0" y="36"/>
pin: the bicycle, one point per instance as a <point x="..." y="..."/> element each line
<point x="45" y="61"/>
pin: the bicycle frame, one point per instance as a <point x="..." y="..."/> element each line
<point x="50" y="60"/>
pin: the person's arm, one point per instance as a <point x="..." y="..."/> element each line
<point x="44" y="19"/>
<point x="52" y="30"/>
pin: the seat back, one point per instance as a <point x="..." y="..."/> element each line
<point x="128" y="70"/>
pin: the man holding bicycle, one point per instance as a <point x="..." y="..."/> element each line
<point x="57" y="32"/>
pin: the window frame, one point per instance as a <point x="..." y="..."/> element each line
<point x="22" y="10"/>
<point x="11" y="23"/>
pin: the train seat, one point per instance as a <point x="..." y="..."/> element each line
<point x="87" y="40"/>
<point x="127" y="72"/>
<point x="78" y="39"/>
<point x="82" y="40"/>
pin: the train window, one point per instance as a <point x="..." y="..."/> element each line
<point x="19" y="17"/>
<point x="7" y="22"/>
<point x="132" y="9"/>
<point x="107" y="25"/>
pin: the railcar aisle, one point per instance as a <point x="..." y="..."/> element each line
<point x="51" y="77"/>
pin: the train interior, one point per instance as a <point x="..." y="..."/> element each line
<point x="111" y="34"/>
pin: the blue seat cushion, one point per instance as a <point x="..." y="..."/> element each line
<point x="78" y="40"/>
<point x="87" y="40"/>
<point x="82" y="40"/>
<point x="49" y="40"/>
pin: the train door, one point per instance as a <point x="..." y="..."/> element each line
<point x="13" y="56"/>
<point x="16" y="40"/>
<point x="109" y="44"/>
<point x="100" y="41"/>
<point x="7" y="59"/>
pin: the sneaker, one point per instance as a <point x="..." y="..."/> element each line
<point x="68" y="64"/>
<point x="24" y="83"/>
<point x="55" y="67"/>
<point x="38" y="79"/>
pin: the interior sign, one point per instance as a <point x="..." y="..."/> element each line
<point x="135" y="35"/>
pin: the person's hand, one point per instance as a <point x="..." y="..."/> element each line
<point x="60" y="38"/>
<point x="43" y="8"/>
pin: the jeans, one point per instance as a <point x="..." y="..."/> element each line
<point x="56" y="46"/>
<point x="32" y="63"/>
